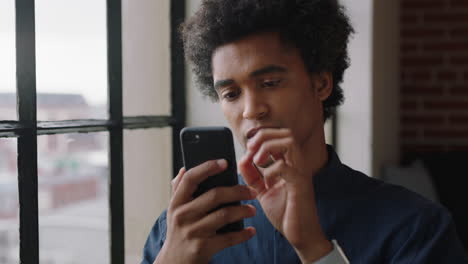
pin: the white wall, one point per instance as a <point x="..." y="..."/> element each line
<point x="368" y="123"/>
<point x="146" y="60"/>
<point x="200" y="111"/>
<point x="146" y="91"/>
<point x="354" y="116"/>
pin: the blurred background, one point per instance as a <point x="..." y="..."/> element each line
<point x="404" y="120"/>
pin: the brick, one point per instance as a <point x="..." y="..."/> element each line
<point x="423" y="4"/>
<point x="403" y="76"/>
<point x="422" y="120"/>
<point x="447" y="76"/>
<point x="459" y="60"/>
<point x="459" y="32"/>
<point x="459" y="120"/>
<point x="422" y="33"/>
<point x="459" y="3"/>
<point x="445" y="133"/>
<point x="407" y="19"/>
<point x="448" y="46"/>
<point x="409" y="134"/>
<point x="421" y="76"/>
<point x="408" y="148"/>
<point x="459" y="90"/>
<point x="409" y="105"/>
<point x="422" y="90"/>
<point x="409" y="47"/>
<point x="457" y="148"/>
<point x="459" y="17"/>
<point x="421" y="61"/>
<point x="446" y="105"/>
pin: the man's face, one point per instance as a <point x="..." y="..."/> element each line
<point x="263" y="83"/>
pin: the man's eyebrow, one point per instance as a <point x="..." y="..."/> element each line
<point x="222" y="83"/>
<point x="268" y="69"/>
<point x="264" y="70"/>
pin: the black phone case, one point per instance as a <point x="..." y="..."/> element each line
<point x="200" y="144"/>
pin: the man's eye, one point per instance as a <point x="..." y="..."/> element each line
<point x="271" y="83"/>
<point x="230" y="95"/>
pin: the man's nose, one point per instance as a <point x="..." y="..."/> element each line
<point x="255" y="107"/>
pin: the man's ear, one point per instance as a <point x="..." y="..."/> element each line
<point x="323" y="84"/>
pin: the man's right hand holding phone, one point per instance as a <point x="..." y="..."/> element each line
<point x="192" y="224"/>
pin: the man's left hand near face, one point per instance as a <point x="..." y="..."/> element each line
<point x="285" y="190"/>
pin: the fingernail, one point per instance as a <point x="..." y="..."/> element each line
<point x="222" y="163"/>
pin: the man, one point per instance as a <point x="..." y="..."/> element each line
<point x="275" y="66"/>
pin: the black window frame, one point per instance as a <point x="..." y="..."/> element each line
<point x="27" y="128"/>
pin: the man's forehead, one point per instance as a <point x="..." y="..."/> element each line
<point x="252" y="53"/>
<point x="258" y="43"/>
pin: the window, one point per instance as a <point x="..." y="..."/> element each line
<point x="71" y="153"/>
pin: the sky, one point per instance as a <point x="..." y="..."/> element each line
<point x="71" y="48"/>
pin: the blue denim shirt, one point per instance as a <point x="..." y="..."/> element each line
<point x="373" y="222"/>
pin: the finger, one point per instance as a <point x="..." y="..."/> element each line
<point x="250" y="173"/>
<point x="212" y="199"/>
<point x="273" y="173"/>
<point x="279" y="170"/>
<point x="230" y="239"/>
<point x="209" y="224"/>
<point x="275" y="147"/>
<point x="193" y="177"/>
<point x="265" y="135"/>
<point x="175" y="182"/>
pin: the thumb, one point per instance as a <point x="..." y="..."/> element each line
<point x="175" y="182"/>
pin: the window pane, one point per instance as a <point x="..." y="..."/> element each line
<point x="147" y="175"/>
<point x="73" y="198"/>
<point x="7" y="61"/>
<point x="71" y="59"/>
<point x="146" y="57"/>
<point x="9" y="213"/>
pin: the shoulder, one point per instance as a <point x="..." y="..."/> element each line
<point x="360" y="187"/>
<point x="395" y="223"/>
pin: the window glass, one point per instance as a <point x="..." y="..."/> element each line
<point x="147" y="177"/>
<point x="73" y="198"/>
<point x="9" y="205"/>
<point x="7" y="61"/>
<point x="71" y="59"/>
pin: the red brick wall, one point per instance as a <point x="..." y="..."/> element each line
<point x="434" y="75"/>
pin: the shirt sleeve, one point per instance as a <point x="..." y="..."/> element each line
<point x="155" y="240"/>
<point x="336" y="256"/>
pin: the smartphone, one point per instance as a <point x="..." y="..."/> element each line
<point x="200" y="144"/>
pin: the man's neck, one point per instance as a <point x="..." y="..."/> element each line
<point x="315" y="151"/>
